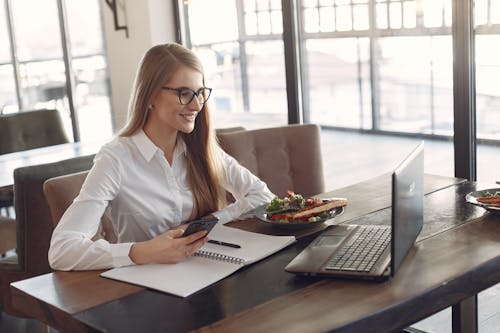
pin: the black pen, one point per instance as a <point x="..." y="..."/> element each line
<point x="213" y="241"/>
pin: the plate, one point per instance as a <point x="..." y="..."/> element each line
<point x="472" y="198"/>
<point x="261" y="214"/>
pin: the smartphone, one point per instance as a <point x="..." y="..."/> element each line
<point x="198" y="225"/>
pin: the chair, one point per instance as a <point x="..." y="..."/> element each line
<point x="33" y="223"/>
<point x="60" y="193"/>
<point x="226" y="130"/>
<point x="26" y="130"/>
<point x="31" y="129"/>
<point x="7" y="234"/>
<point x="286" y="158"/>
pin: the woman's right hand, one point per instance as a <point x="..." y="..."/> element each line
<point x="167" y="248"/>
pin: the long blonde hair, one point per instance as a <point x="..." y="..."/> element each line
<point x="203" y="168"/>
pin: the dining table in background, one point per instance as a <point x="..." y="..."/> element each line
<point x="11" y="161"/>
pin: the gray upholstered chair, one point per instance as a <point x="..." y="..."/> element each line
<point x="286" y="158"/>
<point x="34" y="224"/>
<point x="31" y="129"/>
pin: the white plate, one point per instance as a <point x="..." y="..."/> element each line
<point x="472" y="198"/>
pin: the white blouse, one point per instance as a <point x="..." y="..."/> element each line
<point x="143" y="195"/>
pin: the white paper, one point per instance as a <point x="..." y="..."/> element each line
<point x="195" y="273"/>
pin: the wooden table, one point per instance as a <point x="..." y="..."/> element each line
<point x="457" y="256"/>
<point x="10" y="162"/>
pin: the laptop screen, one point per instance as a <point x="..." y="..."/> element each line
<point x="407" y="205"/>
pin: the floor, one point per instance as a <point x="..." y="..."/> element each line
<point x="350" y="157"/>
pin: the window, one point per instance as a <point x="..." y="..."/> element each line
<point x="375" y="66"/>
<point x="35" y="74"/>
<point x="240" y="45"/>
<point x="91" y="95"/>
<point x="487" y="52"/>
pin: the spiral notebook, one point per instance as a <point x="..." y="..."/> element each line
<point x="210" y="264"/>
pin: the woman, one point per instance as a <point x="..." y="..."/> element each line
<point x="163" y="170"/>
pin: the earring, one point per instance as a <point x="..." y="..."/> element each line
<point x="150" y="107"/>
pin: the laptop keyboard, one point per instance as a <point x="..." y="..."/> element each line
<point x="363" y="249"/>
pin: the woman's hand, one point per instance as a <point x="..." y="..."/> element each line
<point x="167" y="248"/>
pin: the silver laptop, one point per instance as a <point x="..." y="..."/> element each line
<point x="371" y="251"/>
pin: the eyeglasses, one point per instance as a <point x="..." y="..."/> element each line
<point x="186" y="95"/>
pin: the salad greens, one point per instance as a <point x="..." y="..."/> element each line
<point x="291" y="201"/>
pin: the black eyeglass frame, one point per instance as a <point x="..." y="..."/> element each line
<point x="194" y="93"/>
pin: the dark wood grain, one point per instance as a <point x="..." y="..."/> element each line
<point x="440" y="271"/>
<point x="263" y="297"/>
<point x="54" y="298"/>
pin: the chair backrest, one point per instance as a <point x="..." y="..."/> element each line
<point x="60" y="193"/>
<point x="34" y="221"/>
<point x="226" y="130"/>
<point x="30" y="129"/>
<point x="286" y="158"/>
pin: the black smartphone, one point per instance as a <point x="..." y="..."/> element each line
<point x="198" y="225"/>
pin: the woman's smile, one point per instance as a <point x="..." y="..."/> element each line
<point x="189" y="116"/>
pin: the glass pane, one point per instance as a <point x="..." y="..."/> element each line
<point x="488" y="107"/>
<point x="311" y="20"/>
<point x="395" y="15"/>
<point x="487" y="92"/>
<point x="343" y="18"/>
<point x="249" y="5"/>
<point x="4" y="38"/>
<point x="326" y="2"/>
<point x="433" y="13"/>
<point x="84" y="27"/>
<point x="381" y="16"/>
<point x="338" y="82"/>
<point x="8" y="99"/>
<point x="262" y="4"/>
<point x="416" y="87"/>
<point x="327" y="19"/>
<point x="277" y="22"/>
<point x="360" y="13"/>
<point x="409" y="15"/>
<point x="264" y="23"/>
<point x="91" y="98"/>
<point x="43" y="84"/>
<point x="309" y="3"/>
<point x="218" y="25"/>
<point x="265" y="85"/>
<point x="30" y="18"/>
<point x="251" y="24"/>
<point x="91" y="95"/>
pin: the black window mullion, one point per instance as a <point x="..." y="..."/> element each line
<point x="464" y="90"/>
<point x="292" y="60"/>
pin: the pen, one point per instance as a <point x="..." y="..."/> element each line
<point x="213" y="241"/>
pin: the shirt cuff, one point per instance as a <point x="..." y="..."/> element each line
<point x="119" y="254"/>
<point x="223" y="215"/>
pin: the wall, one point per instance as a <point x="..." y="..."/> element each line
<point x="149" y="22"/>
